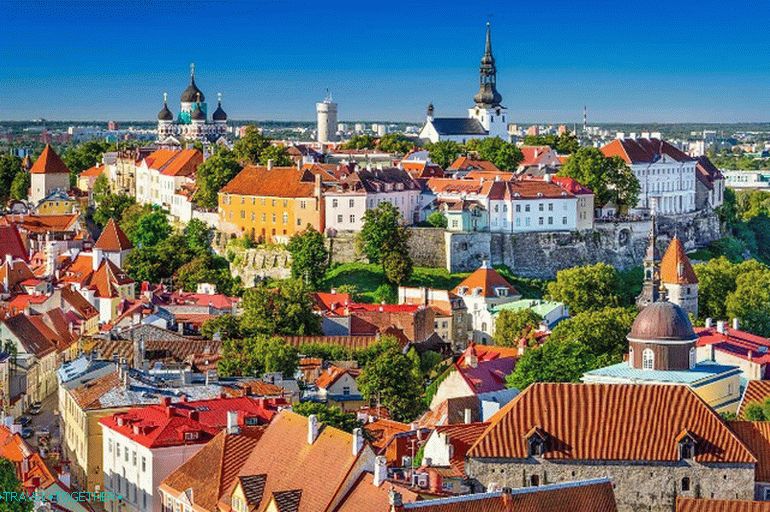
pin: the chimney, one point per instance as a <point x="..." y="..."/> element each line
<point x="507" y="498"/>
<point x="232" y="422"/>
<point x="96" y="258"/>
<point x="471" y="360"/>
<point x="547" y="177"/>
<point x="358" y="440"/>
<point x="721" y="326"/>
<point x="270" y="164"/>
<point x="312" y="428"/>
<point x="380" y="470"/>
<point x="736" y="324"/>
<point x="396" y="501"/>
<point x="467" y="415"/>
<point x="709" y="323"/>
<point x="427" y="462"/>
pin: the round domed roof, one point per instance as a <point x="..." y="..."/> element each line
<point x="165" y="114"/>
<point x="197" y="114"/>
<point x="662" y="321"/>
<point x="219" y="114"/>
<point x="192" y="93"/>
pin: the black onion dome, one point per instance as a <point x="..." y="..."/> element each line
<point x="197" y="114"/>
<point x="192" y="93"/>
<point x="219" y="114"/>
<point x="662" y="321"/>
<point x="165" y="114"/>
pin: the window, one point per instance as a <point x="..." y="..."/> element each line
<point x="534" y="480"/>
<point x="133" y="458"/>
<point x="648" y="359"/>
<point x="144" y="464"/>
<point x="352" y="219"/>
<point x="550" y="207"/>
<point x="339" y="219"/>
<point x="526" y="208"/>
<point x="109" y="446"/>
<point x="564" y="220"/>
<point x="190" y="436"/>
<point x="692" y="358"/>
<point x="685" y="484"/>
<point x="346" y="390"/>
<point x="302" y="204"/>
<point x="550" y="220"/>
<point x="540" y="220"/>
<point x="125" y="451"/>
<point x="518" y="207"/>
<point x="117" y="449"/>
<point x="540" y="206"/>
<point x="351" y="202"/>
<point x="334" y="203"/>
<point x="285" y="218"/>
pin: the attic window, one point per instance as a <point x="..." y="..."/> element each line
<point x="463" y="290"/>
<point x="687" y="447"/>
<point x="252" y="421"/>
<point x="539" y="194"/>
<point x="191" y="436"/>
<point x="501" y="292"/>
<point x="535" y="446"/>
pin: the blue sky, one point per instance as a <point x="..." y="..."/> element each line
<point x="673" y="61"/>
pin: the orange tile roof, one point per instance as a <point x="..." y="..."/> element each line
<point x="461" y="436"/>
<point x="43" y="223"/>
<point x="610" y="422"/>
<point x="94" y="171"/>
<point x="587" y="496"/>
<point x="641" y="150"/>
<point x="113" y="239"/>
<point x="756" y="392"/>
<point x="330" y="376"/>
<point x="277" y="182"/>
<point x="175" y="162"/>
<point x="14" y="273"/>
<point x="285" y="458"/>
<point x="349" y="342"/>
<point x="49" y="163"/>
<point x="11" y="242"/>
<point x="107" y="278"/>
<point x="756" y="436"/>
<point x="34" y="339"/>
<point x="486" y="278"/>
<point x="534" y="154"/>
<point x="87" y="396"/>
<point x="462" y="163"/>
<point x="211" y="471"/>
<point x="675" y="267"/>
<point x="364" y="495"/>
<point x="708" y="505"/>
<point x="382" y="430"/>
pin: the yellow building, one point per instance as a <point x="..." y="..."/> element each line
<point x="58" y="203"/>
<point x="271" y="204"/>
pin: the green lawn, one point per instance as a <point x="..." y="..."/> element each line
<point x="367" y="277"/>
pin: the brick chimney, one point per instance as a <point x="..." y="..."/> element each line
<point x="380" y="470"/>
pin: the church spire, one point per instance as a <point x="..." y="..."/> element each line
<point x="488" y="96"/>
<point x="651" y="286"/>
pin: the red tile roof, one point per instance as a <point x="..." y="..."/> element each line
<point x="490" y="370"/>
<point x="107" y="278"/>
<point x="29" y="334"/>
<point x="756" y="392"/>
<point x="571" y="185"/>
<point x="160" y="425"/>
<point x="365" y="496"/>
<point x="349" y="342"/>
<point x="277" y="182"/>
<point x="94" y="171"/>
<point x="113" y="239"/>
<point x="175" y="162"/>
<point x="675" y="267"/>
<point x="533" y="155"/>
<point x="643" y="151"/>
<point x="11" y="242"/>
<point x="707" y="505"/>
<point x="707" y="172"/>
<point x="215" y="300"/>
<point x="44" y="223"/>
<point x="737" y="343"/>
<point x="756" y="436"/>
<point x="12" y="274"/>
<point x="610" y="422"/>
<point x="330" y="376"/>
<point x="487" y="279"/>
<point x="382" y="430"/>
<point x="464" y="163"/>
<point x="49" y="163"/>
<point x="461" y="437"/>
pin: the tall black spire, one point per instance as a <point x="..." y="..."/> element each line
<point x="488" y="97"/>
<point x="651" y="287"/>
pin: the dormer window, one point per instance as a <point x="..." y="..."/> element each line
<point x="462" y="290"/>
<point x="502" y="292"/>
<point x="536" y="439"/>
<point x="686" y="444"/>
<point x="477" y="292"/>
<point x="191" y="436"/>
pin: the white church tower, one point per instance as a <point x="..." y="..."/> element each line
<point x="488" y="109"/>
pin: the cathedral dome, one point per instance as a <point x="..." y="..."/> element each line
<point x="662" y="322"/>
<point x="488" y="96"/>
<point x="192" y="93"/>
<point x="219" y="114"/>
<point x="197" y="114"/>
<point x="165" y="114"/>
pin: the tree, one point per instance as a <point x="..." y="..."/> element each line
<point x="278" y="155"/>
<point x="213" y="174"/>
<point x="382" y="232"/>
<point x="287" y="309"/>
<point x="717" y="281"/>
<point x="329" y="415"/>
<point x="392" y="380"/>
<point x="359" y="142"/>
<point x="112" y="206"/>
<point x="610" y="178"/>
<point x="758" y="411"/>
<point x="131" y="215"/>
<point x="511" y="326"/>
<point x="197" y="236"/>
<point x="10" y="168"/>
<point x="248" y="149"/>
<point x="309" y="257"/>
<point x="751" y="301"/>
<point x="20" y="185"/>
<point x="586" y="288"/>
<point x="226" y="326"/>
<point x="10" y="483"/>
<point x="101" y="188"/>
<point x="385" y="293"/>
<point x="553" y="362"/>
<point x="564" y="143"/>
<point x="397" y="266"/>
<point x="444" y="152"/>
<point x="150" y="229"/>
<point x="437" y="219"/>
<point x="396" y="143"/>
<point x="82" y="156"/>
<point x="603" y="331"/>
<point x="257" y="355"/>
<point x="505" y="155"/>
<point x="207" y="268"/>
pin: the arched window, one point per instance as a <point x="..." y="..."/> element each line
<point x="693" y="358"/>
<point x="685" y="484"/>
<point x="648" y="359"/>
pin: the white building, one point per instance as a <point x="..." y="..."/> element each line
<point x="348" y="200"/>
<point x="487" y="118"/>
<point x="666" y="175"/>
<point x="326" y="116"/>
<point x="166" y="178"/>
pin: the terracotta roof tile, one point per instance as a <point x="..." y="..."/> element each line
<point x="277" y="182"/>
<point x="461" y="436"/>
<point x="29" y="334"/>
<point x="756" y="436"/>
<point x="639" y="151"/>
<point x="706" y="505"/>
<point x="11" y="242"/>
<point x="330" y="376"/>
<point x="756" y="392"/>
<point x="113" y="239"/>
<point x="49" y="163"/>
<point x="41" y="224"/>
<point x="464" y="163"/>
<point x="365" y="496"/>
<point x="610" y="422"/>
<point x="382" y="430"/>
<point x="675" y="267"/>
<point x="487" y="280"/>
<point x="94" y="171"/>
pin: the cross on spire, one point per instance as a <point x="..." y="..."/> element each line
<point x="192" y="70"/>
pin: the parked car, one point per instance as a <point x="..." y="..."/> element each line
<point x="34" y="410"/>
<point x="24" y="420"/>
<point x="26" y="432"/>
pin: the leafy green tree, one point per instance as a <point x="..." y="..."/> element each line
<point x="392" y="379"/>
<point x="382" y="233"/>
<point x="101" y="188"/>
<point x="20" y="185"/>
<point x="351" y="290"/>
<point x="150" y="229"/>
<point x="444" y="152"/>
<point x="396" y="143"/>
<point x="610" y="178"/>
<point x="129" y="216"/>
<point x="565" y="143"/>
<point x="287" y="309"/>
<point x="9" y="482"/>
<point x="227" y="326"/>
<point x="359" y="142"/>
<point x="437" y="219"/>
<point x="278" y="154"/>
<point x="197" y="236"/>
<point x="603" y="331"/>
<point x="256" y="355"/>
<point x="213" y="174"/>
<point x="385" y="293"/>
<point x="85" y="155"/>
<point x="511" y="326"/>
<point x="505" y="155"/>
<point x="112" y="206"/>
<point x="586" y="288"/>
<point x="309" y="257"/>
<point x="329" y="415"/>
<point x="757" y="411"/>
<point x="207" y="268"/>
<point x="717" y="281"/>
<point x="10" y="167"/>
<point x="397" y="266"/>
<point x="751" y="301"/>
<point x="248" y="149"/>
<point x="143" y="264"/>
<point x="553" y="362"/>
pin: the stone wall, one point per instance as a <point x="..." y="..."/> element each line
<point x="650" y="487"/>
<point x="426" y="247"/>
<point x="252" y="265"/>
